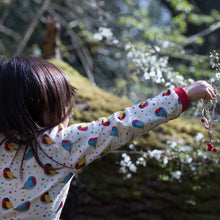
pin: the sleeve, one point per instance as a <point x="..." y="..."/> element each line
<point x="78" y="145"/>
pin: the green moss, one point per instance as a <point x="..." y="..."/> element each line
<point x="101" y="102"/>
<point x="151" y="140"/>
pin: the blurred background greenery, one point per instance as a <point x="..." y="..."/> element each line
<point x="133" y="49"/>
<point x="92" y="35"/>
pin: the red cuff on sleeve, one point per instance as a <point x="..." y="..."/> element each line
<point x="183" y="97"/>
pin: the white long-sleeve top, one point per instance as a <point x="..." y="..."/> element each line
<point x="28" y="191"/>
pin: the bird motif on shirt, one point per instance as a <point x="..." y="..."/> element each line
<point x="28" y="155"/>
<point x="46" y="198"/>
<point x="49" y="169"/>
<point x="107" y="149"/>
<point x="9" y="146"/>
<point x="105" y="122"/>
<point x="131" y="139"/>
<point x="47" y="140"/>
<point x="166" y="92"/>
<point x="92" y="142"/>
<point x="161" y="112"/>
<point x="114" y="132"/>
<point x="68" y="177"/>
<point x="59" y="207"/>
<point x="137" y="124"/>
<point x="8" y="174"/>
<point x="83" y="127"/>
<point x="6" y="203"/>
<point x="143" y="104"/>
<point x="81" y="163"/>
<point x="121" y="116"/>
<point x="67" y="145"/>
<point x="25" y="206"/>
<point x="60" y="127"/>
<point x="179" y="102"/>
<point x="30" y="183"/>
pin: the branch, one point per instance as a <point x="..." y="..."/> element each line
<point x="184" y="57"/>
<point x="203" y="33"/>
<point x="83" y="56"/>
<point x="32" y="27"/>
<point x="83" y="53"/>
<point x="127" y="152"/>
<point x="9" y="32"/>
<point x="5" y="13"/>
<point x="135" y="152"/>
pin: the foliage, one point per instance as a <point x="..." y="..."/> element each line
<point x="95" y="36"/>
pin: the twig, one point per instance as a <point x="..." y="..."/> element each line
<point x="5" y="13"/>
<point x="179" y="56"/>
<point x="203" y="33"/>
<point x="127" y="152"/>
<point x="9" y="32"/>
<point x="83" y="53"/>
<point x="147" y="154"/>
<point x="32" y="26"/>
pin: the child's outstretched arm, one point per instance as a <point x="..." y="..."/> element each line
<point x="200" y="90"/>
<point x="79" y="144"/>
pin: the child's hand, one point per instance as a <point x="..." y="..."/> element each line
<point x="200" y="90"/>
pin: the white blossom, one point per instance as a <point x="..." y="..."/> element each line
<point x="97" y="36"/>
<point x="131" y="146"/>
<point x="185" y="148"/>
<point x="122" y="163"/>
<point x="127" y="47"/>
<point x="212" y="79"/>
<point x="103" y="33"/>
<point x="186" y="158"/>
<point x="133" y="168"/>
<point x="154" y="67"/>
<point x="141" y="161"/>
<point x="165" y="160"/>
<point x="172" y="144"/>
<point x="157" y="154"/>
<point x="115" y="41"/>
<point x="217" y="75"/>
<point x="199" y="137"/>
<point x="126" y="158"/>
<point x="191" y="81"/>
<point x="176" y="174"/>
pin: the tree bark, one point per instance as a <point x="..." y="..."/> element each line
<point x="51" y="40"/>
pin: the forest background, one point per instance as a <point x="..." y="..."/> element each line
<point x="132" y="49"/>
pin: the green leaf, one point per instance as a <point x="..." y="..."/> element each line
<point x="191" y="202"/>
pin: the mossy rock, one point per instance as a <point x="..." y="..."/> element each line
<point x="100" y="103"/>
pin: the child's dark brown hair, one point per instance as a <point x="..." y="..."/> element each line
<point x="35" y="96"/>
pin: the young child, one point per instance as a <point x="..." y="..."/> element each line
<point x="39" y="154"/>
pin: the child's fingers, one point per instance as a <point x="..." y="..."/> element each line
<point x="211" y="90"/>
<point x="209" y="93"/>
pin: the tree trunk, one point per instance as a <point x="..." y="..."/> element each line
<point x="51" y="41"/>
